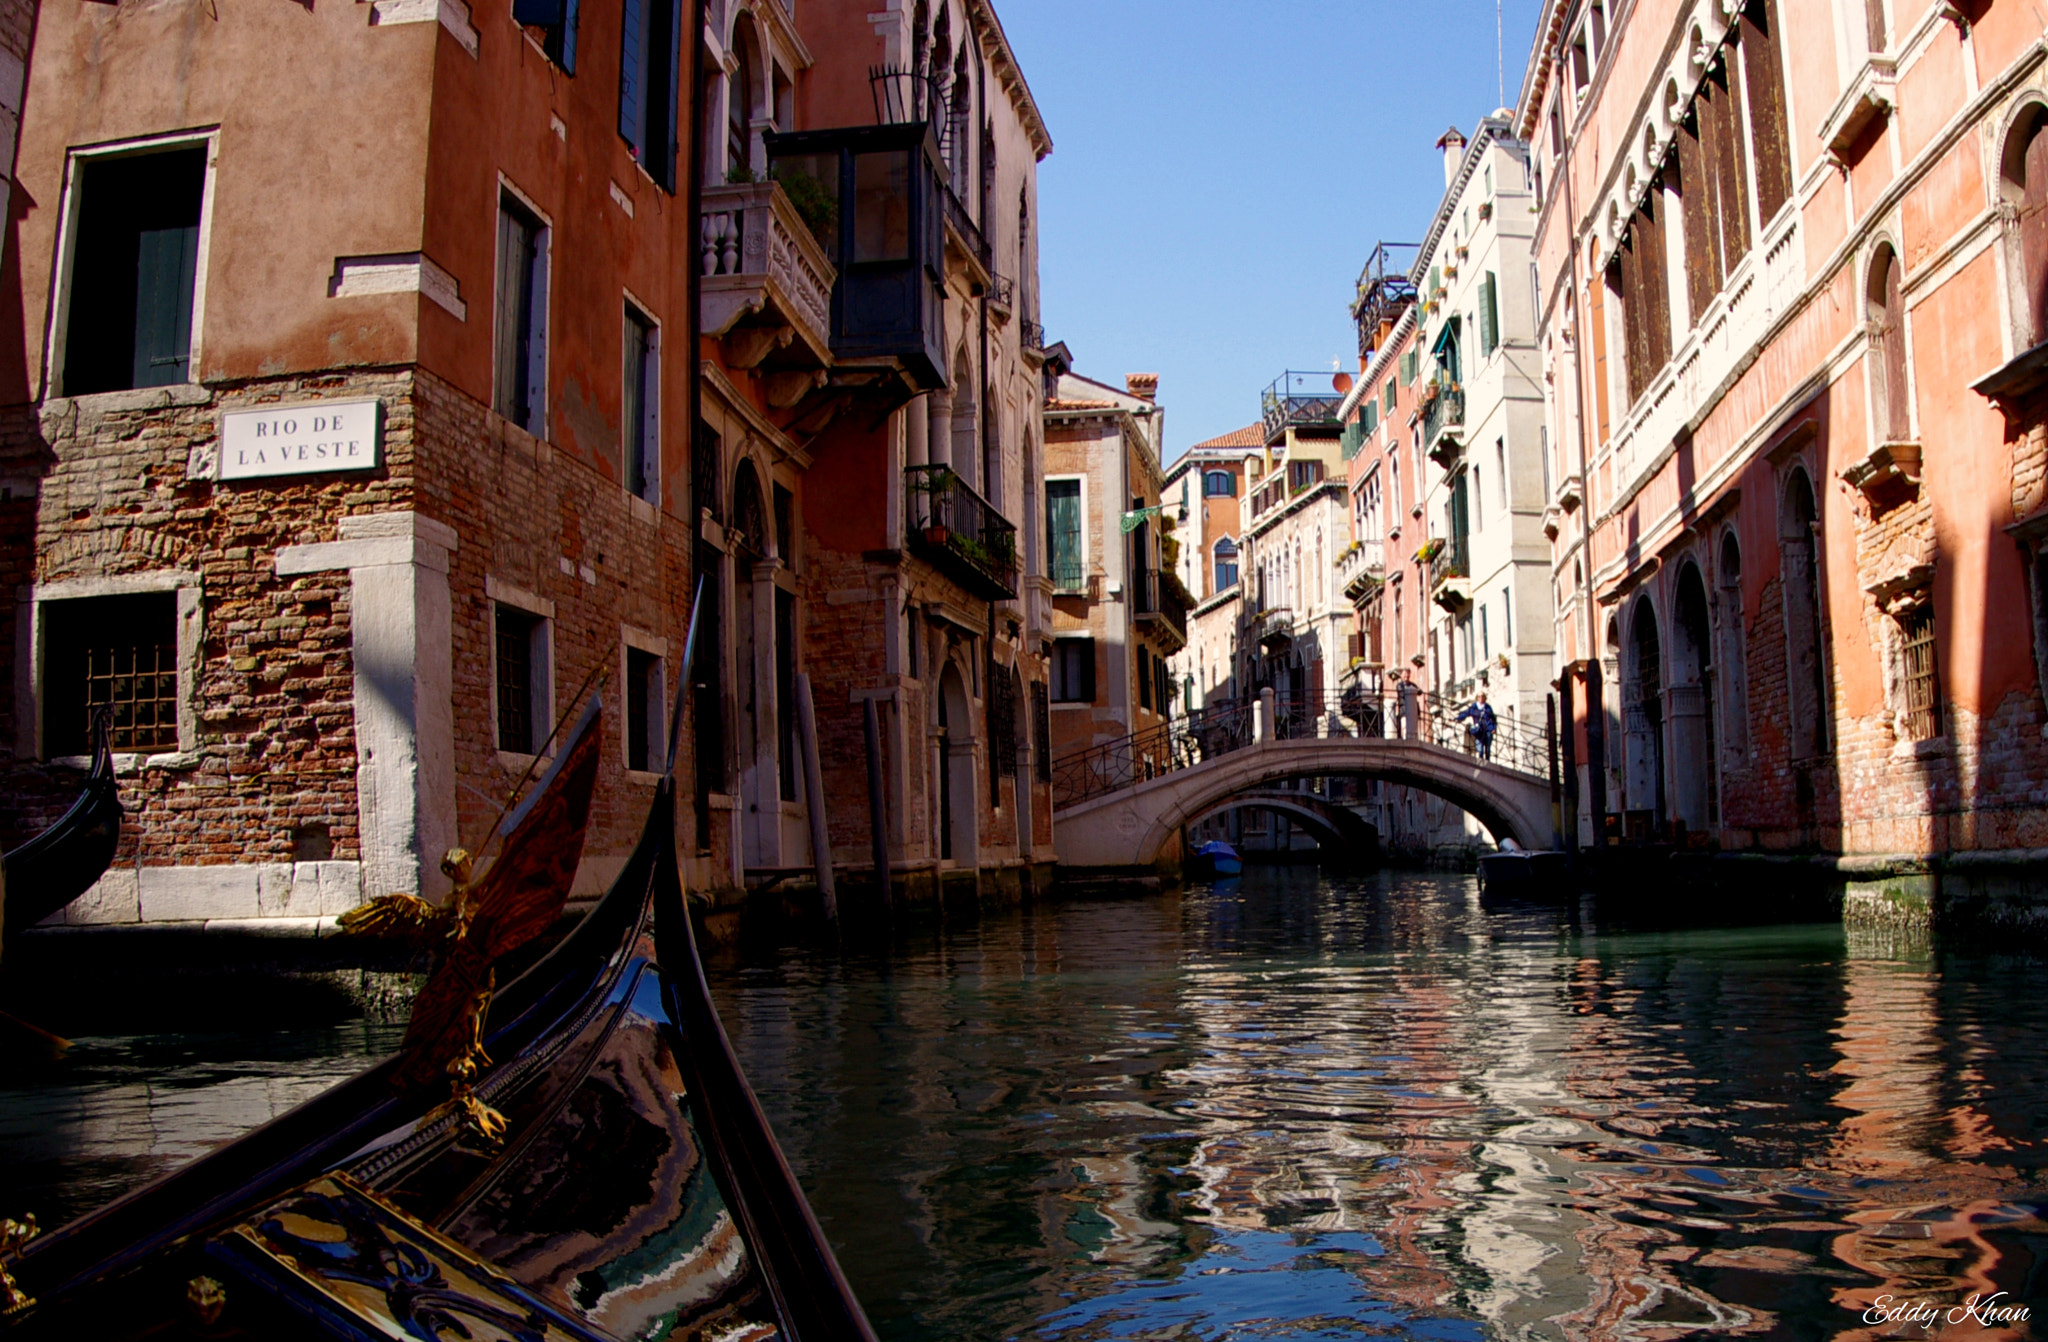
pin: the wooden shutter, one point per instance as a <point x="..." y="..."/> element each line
<point x="2033" y="229"/>
<point x="1489" y="315"/>
<point x="1730" y="165"/>
<point x="1763" y="72"/>
<point x="165" y="264"/>
<point x="1894" y="417"/>
<point x="1696" y="202"/>
<point x="633" y="73"/>
<point x="665" y="146"/>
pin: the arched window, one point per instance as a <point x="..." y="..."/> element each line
<point x="1218" y="484"/>
<point x="1730" y="680"/>
<point x="1891" y="418"/>
<point x="1806" y="684"/>
<point x="749" y="529"/>
<point x="739" y="103"/>
<point x="2025" y="189"/>
<point x="1226" y="564"/>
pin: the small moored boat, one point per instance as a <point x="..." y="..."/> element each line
<point x="1220" y="857"/>
<point x="61" y="863"/>
<point x="1514" y="870"/>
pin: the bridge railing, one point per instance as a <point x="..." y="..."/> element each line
<point x="1358" y="712"/>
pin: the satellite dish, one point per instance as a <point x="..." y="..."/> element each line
<point x="1342" y="382"/>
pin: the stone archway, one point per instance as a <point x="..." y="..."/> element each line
<point x="954" y="803"/>
<point x="1135" y="826"/>
<point x="1690" y="703"/>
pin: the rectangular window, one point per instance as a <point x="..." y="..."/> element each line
<point x="650" y="71"/>
<point x="522" y="679"/>
<point x="1922" y="679"/>
<point x="557" y="21"/>
<point x="1144" y="678"/>
<point x="1485" y="636"/>
<point x="134" y="271"/>
<point x="117" y="653"/>
<point x="1489" y="316"/>
<point x="1507" y="617"/>
<point x="1388" y="409"/>
<point x="522" y="317"/>
<point x="640" y="410"/>
<point x="1073" y="671"/>
<point x="1041" y="731"/>
<point x="1063" y="535"/>
<point x="1500" y="469"/>
<point x="1408" y="362"/>
<point x="644" y="699"/>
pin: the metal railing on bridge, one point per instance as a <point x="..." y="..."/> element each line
<point x="1358" y="712"/>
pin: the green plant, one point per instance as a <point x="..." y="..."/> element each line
<point x="740" y="175"/>
<point x="817" y="207"/>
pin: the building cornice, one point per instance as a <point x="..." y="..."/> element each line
<point x="995" y="45"/>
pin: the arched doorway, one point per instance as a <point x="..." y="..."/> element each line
<point x="1691" y="702"/>
<point x="953" y="773"/>
<point x="1806" y="683"/>
<point x="1020" y="760"/>
<point x="1643" y="713"/>
<point x="752" y="657"/>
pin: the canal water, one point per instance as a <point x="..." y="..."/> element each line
<point x="1304" y="1106"/>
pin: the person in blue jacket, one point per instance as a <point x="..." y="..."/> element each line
<point x="1479" y="725"/>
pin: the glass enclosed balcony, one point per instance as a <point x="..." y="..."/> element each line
<point x="873" y="197"/>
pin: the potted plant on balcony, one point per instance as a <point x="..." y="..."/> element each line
<point x="931" y="484"/>
<point x="1431" y="548"/>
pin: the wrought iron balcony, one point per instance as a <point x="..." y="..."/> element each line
<point x="1443" y="423"/>
<point x="960" y="221"/>
<point x="1300" y="400"/>
<point x="1385" y="291"/>
<point x="761" y="261"/>
<point x="1031" y="334"/>
<point x="1158" y="598"/>
<point x="959" y="532"/>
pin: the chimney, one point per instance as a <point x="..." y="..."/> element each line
<point x="1453" y="145"/>
<point x="1144" y="386"/>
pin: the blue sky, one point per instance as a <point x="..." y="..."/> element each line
<point x="1221" y="170"/>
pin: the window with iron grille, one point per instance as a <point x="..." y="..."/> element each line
<point x="1921" y="676"/>
<point x="118" y="653"/>
<point x="521" y="679"/>
<point x="1063" y="534"/>
<point x="645" y="738"/>
<point x="1002" y="723"/>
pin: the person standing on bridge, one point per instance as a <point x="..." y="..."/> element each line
<point x="1480" y="722"/>
<point x="1407" y="705"/>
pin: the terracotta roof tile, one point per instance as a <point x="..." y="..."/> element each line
<point x="1251" y="435"/>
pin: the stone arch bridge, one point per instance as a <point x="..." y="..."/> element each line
<point x="1124" y="803"/>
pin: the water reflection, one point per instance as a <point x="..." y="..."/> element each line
<point x="1300" y="1107"/>
<point x="1292" y="1106"/>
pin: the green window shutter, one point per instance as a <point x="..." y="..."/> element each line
<point x="1369" y="416"/>
<point x="1063" y="532"/>
<point x="1390" y="393"/>
<point x="1489" y="315"/>
<point x="165" y="262"/>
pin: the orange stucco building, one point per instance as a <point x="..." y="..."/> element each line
<point x="1791" y="299"/>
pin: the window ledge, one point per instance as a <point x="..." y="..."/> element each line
<point x="2025" y="373"/>
<point x="515" y="761"/>
<point x="1934" y="747"/>
<point x="132" y="398"/>
<point x="1871" y="93"/>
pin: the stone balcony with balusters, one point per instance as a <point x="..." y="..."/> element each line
<point x="767" y="281"/>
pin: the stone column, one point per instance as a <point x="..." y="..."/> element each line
<point x="402" y="647"/>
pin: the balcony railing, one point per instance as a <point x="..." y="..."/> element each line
<point x="1031" y="334"/>
<point x="1450" y="573"/>
<point x="1299" y="400"/>
<point x="962" y="222"/>
<point x="756" y="251"/>
<point x="959" y="532"/>
<point x="1443" y="421"/>
<point x="1156" y="595"/>
<point x="1360" y="568"/>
